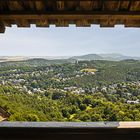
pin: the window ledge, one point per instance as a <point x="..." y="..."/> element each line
<point x="69" y="130"/>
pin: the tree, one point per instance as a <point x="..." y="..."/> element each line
<point x="96" y="117"/>
<point x="82" y="107"/>
<point x="85" y="117"/>
<point x="57" y="95"/>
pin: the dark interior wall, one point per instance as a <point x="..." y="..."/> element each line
<point x="62" y="131"/>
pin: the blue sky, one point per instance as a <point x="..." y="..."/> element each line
<point x="56" y="41"/>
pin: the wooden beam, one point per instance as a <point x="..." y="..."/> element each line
<point x="111" y="5"/>
<point x="135" y="6"/>
<point x="22" y="23"/>
<point x="60" y="5"/>
<point x="72" y="16"/>
<point x="62" y="23"/>
<point x="42" y="23"/>
<point x="86" y="5"/>
<point x="7" y="23"/>
<point x="132" y="23"/>
<point x="66" y="0"/>
<point x="79" y="20"/>
<point x="2" y="27"/>
<point x="83" y="23"/>
<point x="15" y="6"/>
<point x="129" y="5"/>
<point x="40" y="6"/>
<point x="107" y="23"/>
<point x="79" y="12"/>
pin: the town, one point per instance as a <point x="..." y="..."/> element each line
<point x="77" y="86"/>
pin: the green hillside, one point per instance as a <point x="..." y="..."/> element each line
<point x="60" y="90"/>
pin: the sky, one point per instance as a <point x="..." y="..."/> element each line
<point x="69" y="41"/>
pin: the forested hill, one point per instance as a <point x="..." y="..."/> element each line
<point x="36" y="62"/>
<point x="107" y="71"/>
<point x="109" y="57"/>
<point x="88" y="57"/>
<point x="59" y="90"/>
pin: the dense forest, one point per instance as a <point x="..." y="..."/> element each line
<point x="59" y="90"/>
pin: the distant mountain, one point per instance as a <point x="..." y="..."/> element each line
<point x="35" y="62"/>
<point x="64" y="59"/>
<point x="110" y="57"/>
<point x="87" y="57"/>
<point x="117" y="57"/>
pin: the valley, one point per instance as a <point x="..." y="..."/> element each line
<point x="70" y="90"/>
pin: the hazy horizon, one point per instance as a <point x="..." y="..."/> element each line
<point x="69" y="41"/>
<point x="66" y="55"/>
